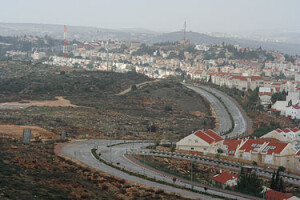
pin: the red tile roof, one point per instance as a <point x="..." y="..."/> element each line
<point x="232" y="146"/>
<point x="279" y="130"/>
<point x="256" y="78"/>
<point x="286" y="130"/>
<point x="295" y="129"/>
<point x="272" y="194"/>
<point x="273" y="110"/>
<point x="242" y="78"/>
<point x="214" y="135"/>
<point x="296" y="106"/>
<point x="252" y="144"/>
<point x="274" y="147"/>
<point x="298" y="153"/>
<point x="223" y="177"/>
<point x="265" y="93"/>
<point x="204" y="137"/>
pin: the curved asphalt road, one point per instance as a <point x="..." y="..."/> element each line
<point x="241" y="126"/>
<point x="81" y="151"/>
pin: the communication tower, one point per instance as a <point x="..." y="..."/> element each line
<point x="64" y="68"/>
<point x="184" y="31"/>
<point x="107" y="49"/>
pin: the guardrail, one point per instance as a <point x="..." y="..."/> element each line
<point x="207" y="159"/>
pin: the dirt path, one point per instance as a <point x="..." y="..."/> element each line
<point x="138" y="86"/>
<point x="25" y="104"/>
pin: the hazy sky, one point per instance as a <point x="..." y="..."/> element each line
<point x="158" y="15"/>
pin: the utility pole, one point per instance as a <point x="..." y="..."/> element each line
<point x="144" y="161"/>
<point x="191" y="174"/>
<point x="65" y="47"/>
<point x="184" y="30"/>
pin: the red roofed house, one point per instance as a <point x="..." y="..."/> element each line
<point x="224" y="179"/>
<point x="202" y="141"/>
<point x="286" y="135"/>
<point x="279" y="154"/>
<point x="256" y="81"/>
<point x="239" y="82"/>
<point x="265" y="94"/>
<point x="251" y="148"/>
<point x="231" y="147"/>
<point x="275" y="195"/>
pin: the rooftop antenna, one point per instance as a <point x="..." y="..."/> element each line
<point x="107" y="49"/>
<point x="64" y="47"/>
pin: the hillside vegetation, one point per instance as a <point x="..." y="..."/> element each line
<point x="172" y="109"/>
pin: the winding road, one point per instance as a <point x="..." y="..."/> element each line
<point x="242" y="123"/>
<point x="81" y="151"/>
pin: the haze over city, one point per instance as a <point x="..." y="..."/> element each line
<point x="159" y="15"/>
<point x="150" y="99"/>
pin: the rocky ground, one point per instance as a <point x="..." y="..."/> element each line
<point x="173" y="110"/>
<point x="34" y="172"/>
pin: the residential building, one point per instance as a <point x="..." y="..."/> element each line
<point x="251" y="148"/>
<point x="265" y="94"/>
<point x="224" y="179"/>
<point x="231" y="147"/>
<point x="275" y="195"/>
<point x="279" y="154"/>
<point x="202" y="141"/>
<point x="293" y="111"/>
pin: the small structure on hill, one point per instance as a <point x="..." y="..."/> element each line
<point x="224" y="179"/>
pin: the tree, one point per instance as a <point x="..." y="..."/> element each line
<point x="158" y="53"/>
<point x="209" y="80"/>
<point x="254" y="98"/>
<point x="172" y="148"/>
<point x="277" y="182"/>
<point x="278" y="96"/>
<point x="249" y="182"/>
<point x="219" y="150"/>
<point x="178" y="70"/>
<point x="133" y="87"/>
<point x="181" y="55"/>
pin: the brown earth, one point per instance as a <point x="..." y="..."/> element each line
<point x="27" y="103"/>
<point x="35" y="172"/>
<point x="16" y="132"/>
<point x="138" y="86"/>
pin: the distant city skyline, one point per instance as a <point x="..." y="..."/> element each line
<point x="158" y="15"/>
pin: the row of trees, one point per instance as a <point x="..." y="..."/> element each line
<point x="248" y="182"/>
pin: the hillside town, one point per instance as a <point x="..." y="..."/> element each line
<point x="275" y="77"/>
<point x="223" y="65"/>
<point x="276" y="148"/>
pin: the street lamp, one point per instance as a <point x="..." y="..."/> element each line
<point x="191" y="175"/>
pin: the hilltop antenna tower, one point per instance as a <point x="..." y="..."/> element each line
<point x="107" y="49"/>
<point x="184" y="31"/>
<point x="64" y="68"/>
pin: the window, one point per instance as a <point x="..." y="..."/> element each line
<point x="192" y="148"/>
<point x="196" y="141"/>
<point x="204" y="148"/>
